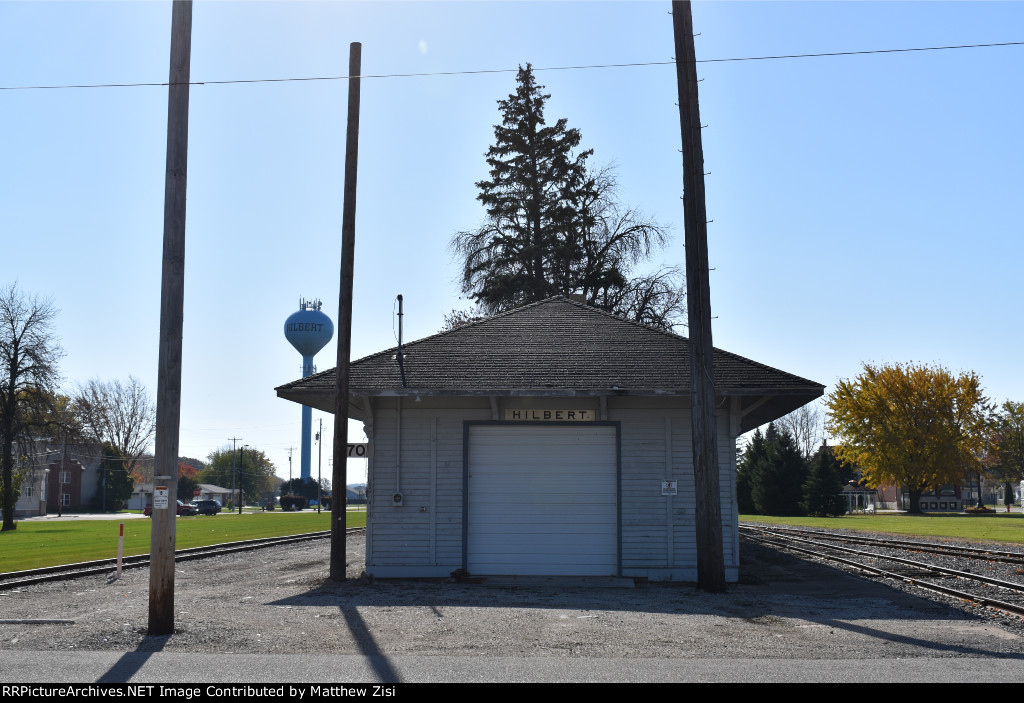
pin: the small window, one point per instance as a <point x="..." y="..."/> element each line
<point x="27" y="491"/>
<point x="65" y="477"/>
<point x="65" y="499"/>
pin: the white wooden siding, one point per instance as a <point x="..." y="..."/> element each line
<point x="425" y="536"/>
<point x="426" y="532"/>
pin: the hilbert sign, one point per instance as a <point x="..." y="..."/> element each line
<point x="550" y="415"/>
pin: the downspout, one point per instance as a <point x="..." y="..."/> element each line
<point x="398" y="431"/>
<point x="398" y="451"/>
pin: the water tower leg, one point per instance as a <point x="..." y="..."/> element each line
<point x="307" y="429"/>
<point x="305" y="462"/>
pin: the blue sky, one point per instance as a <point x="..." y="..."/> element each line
<point x="865" y="208"/>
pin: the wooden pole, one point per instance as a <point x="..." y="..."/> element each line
<point x="710" y="557"/>
<point x="348" y="248"/>
<point x="172" y="299"/>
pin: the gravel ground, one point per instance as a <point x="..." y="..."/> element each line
<point x="1012" y="573"/>
<point x="279" y="600"/>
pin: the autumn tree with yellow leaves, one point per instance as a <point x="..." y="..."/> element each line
<point x="913" y="425"/>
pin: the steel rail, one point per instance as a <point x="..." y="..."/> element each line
<point x="1009" y="585"/>
<point x="784" y="541"/>
<point x="962" y="551"/>
<point x="14" y="579"/>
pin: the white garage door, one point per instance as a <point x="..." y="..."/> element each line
<point x="542" y="500"/>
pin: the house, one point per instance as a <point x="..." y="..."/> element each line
<point x="552" y="439"/>
<point x="65" y="477"/>
<point x="209" y="491"/>
<point x="949" y="498"/>
<point x="142" y="495"/>
<point x="32" y="496"/>
<point x="59" y="479"/>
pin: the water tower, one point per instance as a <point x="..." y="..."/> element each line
<point x="308" y="330"/>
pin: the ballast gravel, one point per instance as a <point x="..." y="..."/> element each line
<point x="280" y="600"/>
<point x="1007" y="571"/>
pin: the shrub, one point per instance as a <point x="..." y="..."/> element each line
<point x="293" y="502"/>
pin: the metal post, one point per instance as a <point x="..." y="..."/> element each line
<point x="319" y="466"/>
<point x="240" y="463"/>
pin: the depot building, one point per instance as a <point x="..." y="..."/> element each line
<point x="550" y="440"/>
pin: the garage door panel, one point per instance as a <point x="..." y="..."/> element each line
<point x="542" y="500"/>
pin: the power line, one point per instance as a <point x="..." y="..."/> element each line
<point x="510" y="70"/>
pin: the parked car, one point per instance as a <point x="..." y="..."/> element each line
<point x="206" y="507"/>
<point x="183" y="509"/>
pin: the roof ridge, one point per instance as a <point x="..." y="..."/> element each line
<point x="475" y="323"/>
<point x="560" y="298"/>
<point x="621" y="318"/>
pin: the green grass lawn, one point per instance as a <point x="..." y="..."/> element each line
<point x="47" y="543"/>
<point x="998" y="527"/>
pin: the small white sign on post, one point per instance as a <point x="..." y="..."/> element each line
<point x="669" y="488"/>
<point x="161" y="497"/>
<point x="120" y="549"/>
<point x="359" y="450"/>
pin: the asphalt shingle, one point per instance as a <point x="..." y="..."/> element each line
<point x="556" y="346"/>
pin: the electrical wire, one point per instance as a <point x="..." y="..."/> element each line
<point x="510" y="70"/>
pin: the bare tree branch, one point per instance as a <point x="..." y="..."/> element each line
<point x="120" y="413"/>
<point x="29" y="352"/>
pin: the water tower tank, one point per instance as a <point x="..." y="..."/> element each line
<point x="308" y="330"/>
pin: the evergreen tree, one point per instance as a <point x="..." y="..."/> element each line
<point x="778" y="476"/>
<point x="115" y="481"/>
<point x="752" y="455"/>
<point x="823" y="489"/>
<point x="555" y="227"/>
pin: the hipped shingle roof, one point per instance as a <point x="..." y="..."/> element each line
<point x="555" y="347"/>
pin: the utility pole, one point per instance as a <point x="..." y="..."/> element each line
<point x="234" y="451"/>
<point x="63" y="467"/>
<point x="348" y="249"/>
<point x="239" y="501"/>
<point x="319" y="466"/>
<point x="710" y="556"/>
<point x="172" y="304"/>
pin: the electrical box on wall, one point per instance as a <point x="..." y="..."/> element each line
<point x="397" y="500"/>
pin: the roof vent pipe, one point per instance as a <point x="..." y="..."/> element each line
<point x="398" y="356"/>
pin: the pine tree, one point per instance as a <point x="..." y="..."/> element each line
<point x="115" y="482"/>
<point x="823" y="488"/>
<point x="778" y="476"/>
<point x="753" y="454"/>
<point x="553" y="226"/>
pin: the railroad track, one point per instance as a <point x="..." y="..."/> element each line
<point x="985" y="553"/>
<point x="16" y="579"/>
<point x="937" y="574"/>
